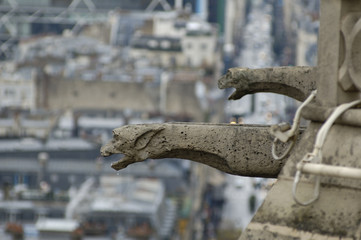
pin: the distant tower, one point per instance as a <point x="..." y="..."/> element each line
<point x="178" y="4"/>
<point x="216" y="13"/>
<point x="202" y="9"/>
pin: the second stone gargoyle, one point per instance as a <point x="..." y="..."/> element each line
<point x="236" y="149"/>
<point x="294" y="82"/>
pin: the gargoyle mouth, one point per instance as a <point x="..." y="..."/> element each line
<point x="122" y="163"/>
<point x="236" y="95"/>
<point x="228" y="81"/>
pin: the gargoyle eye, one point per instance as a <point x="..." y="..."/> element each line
<point x="229" y="73"/>
<point x="115" y="134"/>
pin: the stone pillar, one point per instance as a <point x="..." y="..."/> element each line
<point x="336" y="51"/>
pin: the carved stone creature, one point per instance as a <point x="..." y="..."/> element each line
<point x="294" y="82"/>
<point x="236" y="149"/>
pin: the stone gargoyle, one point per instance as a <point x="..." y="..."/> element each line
<point x="294" y="82"/>
<point x="243" y="150"/>
<point x="235" y="149"/>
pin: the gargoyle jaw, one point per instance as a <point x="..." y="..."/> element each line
<point x="122" y="163"/>
<point x="108" y="150"/>
<point x="223" y="84"/>
<point x="237" y="95"/>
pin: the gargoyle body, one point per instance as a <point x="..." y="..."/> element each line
<point x="236" y="149"/>
<point x="294" y="82"/>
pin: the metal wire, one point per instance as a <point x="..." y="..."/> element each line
<point x="291" y="134"/>
<point x="316" y="156"/>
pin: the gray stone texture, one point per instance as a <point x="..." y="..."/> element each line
<point x="236" y="149"/>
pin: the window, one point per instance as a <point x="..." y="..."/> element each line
<point x="165" y="44"/>
<point x="9" y="92"/>
<point x="203" y="46"/>
<point x="152" y="43"/>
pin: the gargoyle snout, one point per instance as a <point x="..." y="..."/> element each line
<point x="227" y="80"/>
<point x="106" y="150"/>
<point x="222" y="82"/>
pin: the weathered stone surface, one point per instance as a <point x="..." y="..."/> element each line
<point x="236" y="149"/>
<point x="337" y="212"/>
<point x="342" y="147"/>
<point x="294" y="82"/>
<point x="280" y="217"/>
<point x="316" y="113"/>
<point x="338" y="52"/>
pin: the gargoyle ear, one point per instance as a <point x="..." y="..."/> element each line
<point x="144" y="139"/>
<point x="223" y="81"/>
<point x="115" y="132"/>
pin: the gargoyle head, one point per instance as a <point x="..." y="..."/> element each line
<point x="131" y="140"/>
<point x="237" y="78"/>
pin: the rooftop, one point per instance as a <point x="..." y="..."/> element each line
<point x="57" y="225"/>
<point x="157" y="43"/>
<point x="127" y="195"/>
<point x="32" y="144"/>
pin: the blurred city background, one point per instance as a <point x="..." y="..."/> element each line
<point x="73" y="70"/>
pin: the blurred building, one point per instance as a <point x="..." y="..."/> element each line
<point x="177" y="41"/>
<point x="17" y="88"/>
<point x="297" y="24"/>
<point x="22" y="19"/>
<point x="121" y="207"/>
<point x="171" y="54"/>
<point x="133" y="208"/>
